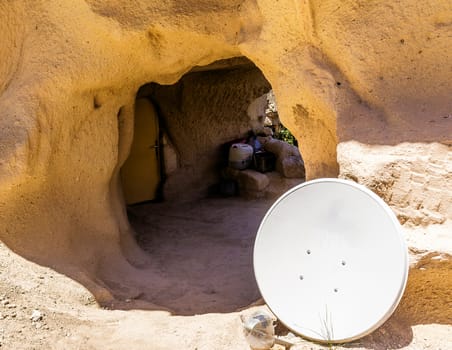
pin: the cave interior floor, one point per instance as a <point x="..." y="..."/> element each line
<point x="201" y="252"/>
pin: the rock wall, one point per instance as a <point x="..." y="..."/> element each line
<point x="368" y="76"/>
<point x="415" y="178"/>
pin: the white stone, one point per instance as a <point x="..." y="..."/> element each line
<point x="36" y="316"/>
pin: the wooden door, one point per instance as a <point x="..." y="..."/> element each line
<point x="140" y="174"/>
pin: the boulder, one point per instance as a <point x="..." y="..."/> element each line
<point x="291" y="167"/>
<point x="288" y="158"/>
<point x="251" y="180"/>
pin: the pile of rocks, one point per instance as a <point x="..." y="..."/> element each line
<point x="289" y="171"/>
<point x="288" y="158"/>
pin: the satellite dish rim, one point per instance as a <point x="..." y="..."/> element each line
<point x="403" y="248"/>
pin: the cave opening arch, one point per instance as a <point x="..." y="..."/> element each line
<point x="188" y="225"/>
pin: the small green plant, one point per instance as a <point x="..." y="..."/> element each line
<point x="285" y="135"/>
<point x="327" y="331"/>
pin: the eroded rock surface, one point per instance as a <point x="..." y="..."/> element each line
<point x="416" y="179"/>
<point x="364" y="86"/>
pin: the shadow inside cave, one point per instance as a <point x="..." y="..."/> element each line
<point x="201" y="254"/>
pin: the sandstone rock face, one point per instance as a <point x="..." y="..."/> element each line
<point x="256" y="111"/>
<point x="416" y="179"/>
<point x="363" y="75"/>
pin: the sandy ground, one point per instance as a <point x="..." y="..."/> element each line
<point x="201" y="276"/>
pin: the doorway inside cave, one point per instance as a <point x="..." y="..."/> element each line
<point x="199" y="220"/>
<point x="141" y="173"/>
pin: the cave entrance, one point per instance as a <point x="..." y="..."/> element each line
<point x="200" y="235"/>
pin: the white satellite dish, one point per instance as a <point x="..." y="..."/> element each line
<point x="330" y="260"/>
